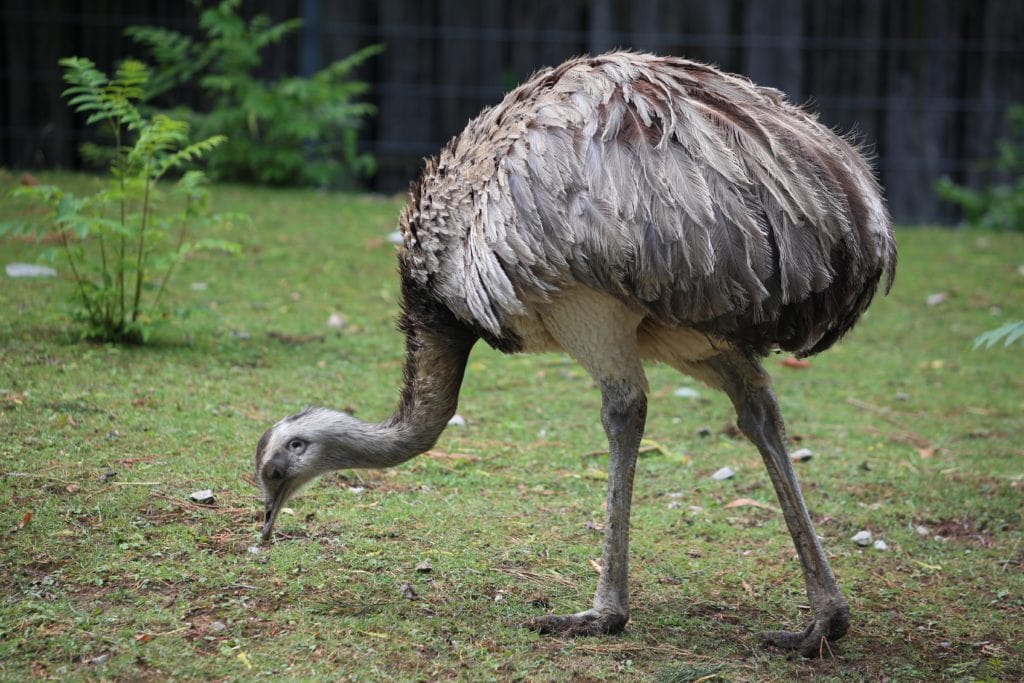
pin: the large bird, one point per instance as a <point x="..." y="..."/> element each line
<point x="623" y="208"/>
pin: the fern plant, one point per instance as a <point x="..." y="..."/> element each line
<point x="295" y="131"/>
<point x="125" y="240"/>
<point x="1007" y="333"/>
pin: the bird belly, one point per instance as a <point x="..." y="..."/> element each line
<point x="678" y="347"/>
<point x="582" y="307"/>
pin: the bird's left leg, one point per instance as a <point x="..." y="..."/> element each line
<point x="759" y="418"/>
<point x="623" y="413"/>
<point x="603" y="340"/>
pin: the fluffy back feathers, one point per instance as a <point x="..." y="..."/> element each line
<point x="692" y="195"/>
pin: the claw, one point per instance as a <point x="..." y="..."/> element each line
<point x="589" y="623"/>
<point x="814" y="640"/>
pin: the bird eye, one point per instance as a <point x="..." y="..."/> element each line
<point x="296" y="445"/>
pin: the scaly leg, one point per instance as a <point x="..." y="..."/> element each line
<point x="600" y="333"/>
<point x="749" y="388"/>
<point x="623" y="415"/>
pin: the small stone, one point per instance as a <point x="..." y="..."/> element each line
<point x="358" y="490"/>
<point x="881" y="545"/>
<point x="199" y="286"/>
<point x="408" y="592"/>
<point x="336" y="321"/>
<point x="936" y="299"/>
<point x="395" y="237"/>
<point x="204" y="497"/>
<point x="29" y="270"/>
<point x="686" y="392"/>
<point x="674" y="505"/>
<point x="241" y="335"/>
<point x="457" y="421"/>
<point x="922" y="531"/>
<point x="695" y="509"/>
<point x="902" y="396"/>
<point x="218" y="626"/>
<point x="862" y="538"/>
<point x="801" y="455"/>
<point x="723" y="474"/>
<point x="425" y="567"/>
<point x="253" y="550"/>
<point x="99" y="659"/>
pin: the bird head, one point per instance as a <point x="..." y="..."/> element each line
<point x="287" y="458"/>
<point x="307" y="444"/>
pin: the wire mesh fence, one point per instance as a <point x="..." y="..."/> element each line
<point x="924" y="83"/>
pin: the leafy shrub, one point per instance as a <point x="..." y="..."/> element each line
<point x="116" y="239"/>
<point x="295" y="131"/>
<point x="998" y="207"/>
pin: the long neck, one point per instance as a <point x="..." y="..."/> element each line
<point x="435" y="363"/>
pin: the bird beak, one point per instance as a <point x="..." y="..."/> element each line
<point x="268" y="521"/>
<point x="270" y="512"/>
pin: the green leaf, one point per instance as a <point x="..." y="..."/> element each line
<point x="1008" y="333"/>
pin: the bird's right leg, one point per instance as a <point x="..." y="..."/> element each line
<point x="749" y="387"/>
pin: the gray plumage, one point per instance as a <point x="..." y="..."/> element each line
<point x="691" y="195"/>
<point x="623" y="208"/>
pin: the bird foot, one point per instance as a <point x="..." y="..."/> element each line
<point x="589" y="623"/>
<point x="829" y="626"/>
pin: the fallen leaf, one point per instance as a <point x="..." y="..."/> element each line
<point x="750" y="502"/>
<point x="926" y="452"/>
<point x="596" y="565"/>
<point x="295" y="339"/>
<point x="29" y="180"/>
<point x="12" y="399"/>
<point x="796" y="363"/>
<point x="930" y="567"/>
<point x="143" y="637"/>
<point x="25" y="520"/>
<point x="72" y="487"/>
<point x="425" y="567"/>
<point x="244" y="659"/>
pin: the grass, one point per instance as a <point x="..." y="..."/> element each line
<point x="112" y="573"/>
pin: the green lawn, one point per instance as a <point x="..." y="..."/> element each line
<point x="111" y="573"/>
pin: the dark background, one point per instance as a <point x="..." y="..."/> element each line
<point x="926" y="83"/>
